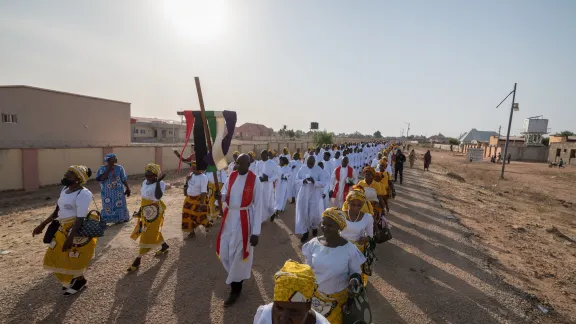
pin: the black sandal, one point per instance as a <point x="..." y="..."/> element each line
<point x="76" y="286"/>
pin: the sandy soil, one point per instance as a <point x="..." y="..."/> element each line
<point x="527" y="223"/>
<point x="435" y="270"/>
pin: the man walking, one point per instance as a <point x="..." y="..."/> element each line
<point x="399" y="166"/>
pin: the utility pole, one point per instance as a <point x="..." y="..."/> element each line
<point x="499" y="128"/>
<point x="408" y="130"/>
<point x="513" y="106"/>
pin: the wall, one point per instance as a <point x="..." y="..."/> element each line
<point x="565" y="152"/>
<point x="52" y="163"/>
<point x="134" y="159"/>
<point x="41" y="123"/>
<point x="11" y="169"/>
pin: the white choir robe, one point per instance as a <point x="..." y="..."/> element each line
<point x="231" y="240"/>
<point x="283" y="188"/>
<point x="335" y="163"/>
<point x="287" y="156"/>
<point x="338" y="201"/>
<point x="268" y="168"/>
<point x="231" y="167"/>
<point x="295" y="166"/>
<point x="325" y="202"/>
<point x="307" y="203"/>
<point x="375" y="163"/>
<point x="252" y="166"/>
<point x="328" y="167"/>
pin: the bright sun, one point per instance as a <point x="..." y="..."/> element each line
<point x="197" y="20"/>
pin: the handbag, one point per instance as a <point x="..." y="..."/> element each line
<point x="92" y="227"/>
<point x="382" y="231"/>
<point x="358" y="310"/>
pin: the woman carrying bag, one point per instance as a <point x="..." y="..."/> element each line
<point x="69" y="253"/>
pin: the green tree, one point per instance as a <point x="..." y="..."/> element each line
<point x="546" y="141"/>
<point x="453" y="141"/>
<point x="565" y="133"/>
<point x="377" y="134"/>
<point x="323" y="137"/>
<point x="291" y="133"/>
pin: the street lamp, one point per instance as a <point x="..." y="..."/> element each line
<point x="513" y="107"/>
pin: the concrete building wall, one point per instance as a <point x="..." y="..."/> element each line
<point x="11" y="169"/>
<point x="50" y="119"/>
<point x="134" y="159"/>
<point x="563" y="150"/>
<point x="52" y="163"/>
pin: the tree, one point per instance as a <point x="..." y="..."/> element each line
<point x="323" y="137"/>
<point x="291" y="133"/>
<point x="546" y="141"/>
<point x="453" y="141"/>
<point x="565" y="133"/>
<point x="377" y="134"/>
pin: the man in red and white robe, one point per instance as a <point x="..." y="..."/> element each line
<point x="240" y="226"/>
<point x="340" y="183"/>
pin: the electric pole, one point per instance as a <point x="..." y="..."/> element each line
<point x="408" y="130"/>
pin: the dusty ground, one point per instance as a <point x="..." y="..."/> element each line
<point x="433" y="271"/>
<point x="527" y="223"/>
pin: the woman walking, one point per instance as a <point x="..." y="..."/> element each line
<point x="427" y="160"/>
<point x="336" y="262"/>
<point x="360" y="229"/>
<point x="114" y="190"/>
<point x="151" y="215"/>
<point x="412" y="158"/>
<point x="69" y="254"/>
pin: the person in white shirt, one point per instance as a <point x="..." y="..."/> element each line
<point x="376" y="161"/>
<point x="336" y="264"/>
<point x="283" y="188"/>
<point x="328" y="167"/>
<point x="232" y="164"/>
<point x="267" y="173"/>
<point x="253" y="162"/>
<point x="148" y="229"/>
<point x="286" y="154"/>
<point x="295" y="166"/>
<point x="68" y="253"/>
<point x="325" y="199"/>
<point x="240" y="228"/>
<point x="195" y="208"/>
<point x="294" y="287"/>
<point x="312" y="180"/>
<point x="336" y="161"/>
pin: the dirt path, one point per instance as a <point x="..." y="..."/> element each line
<point x="429" y="273"/>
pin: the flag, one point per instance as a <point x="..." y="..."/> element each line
<point x="221" y="125"/>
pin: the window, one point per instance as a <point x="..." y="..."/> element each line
<point x="135" y="130"/>
<point x="169" y="132"/>
<point x="9" y="119"/>
<point x="142" y="131"/>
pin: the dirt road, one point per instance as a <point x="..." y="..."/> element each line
<point x="431" y="272"/>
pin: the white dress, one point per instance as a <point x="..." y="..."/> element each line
<point x="264" y="316"/>
<point x="283" y="187"/>
<point x="268" y="168"/>
<point x="231" y="240"/>
<point x="332" y="266"/>
<point x="308" y="213"/>
<point x="295" y="166"/>
<point x="355" y="230"/>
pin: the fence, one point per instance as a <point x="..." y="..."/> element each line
<point x="30" y="169"/>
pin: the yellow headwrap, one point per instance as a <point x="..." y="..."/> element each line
<point x="357" y="193"/>
<point x="154" y="168"/>
<point x="369" y="169"/>
<point x="336" y="215"/>
<point x="236" y="153"/>
<point x="252" y="154"/>
<point x="81" y="173"/>
<point x="286" y="151"/>
<point x="295" y="282"/>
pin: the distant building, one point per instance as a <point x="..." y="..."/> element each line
<point x="562" y="147"/>
<point x="476" y="139"/>
<point x="154" y="130"/>
<point x="41" y="118"/>
<point x="438" y="139"/>
<point x="248" y="130"/>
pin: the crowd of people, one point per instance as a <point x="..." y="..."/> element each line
<point x="342" y="190"/>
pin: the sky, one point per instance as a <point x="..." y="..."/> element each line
<point x="441" y="66"/>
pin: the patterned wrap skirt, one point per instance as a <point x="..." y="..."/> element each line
<point x="330" y="305"/>
<point x="194" y="214"/>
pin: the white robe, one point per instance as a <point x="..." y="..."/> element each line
<point x="295" y="186"/>
<point x="307" y="203"/>
<point x="231" y="241"/>
<point x="336" y="163"/>
<point x="252" y="166"/>
<point x="231" y="167"/>
<point x="268" y="168"/>
<point x="325" y="202"/>
<point x="283" y="187"/>
<point x="328" y="167"/>
<point x="338" y="201"/>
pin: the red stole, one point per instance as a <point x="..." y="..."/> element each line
<point x="244" y="220"/>
<point x="346" y="186"/>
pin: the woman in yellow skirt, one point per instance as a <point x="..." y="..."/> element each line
<point x="195" y="207"/>
<point x="359" y="227"/>
<point x="69" y="254"/>
<point x="335" y="262"/>
<point x="150" y="217"/>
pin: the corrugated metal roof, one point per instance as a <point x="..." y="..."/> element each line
<point x="479" y="136"/>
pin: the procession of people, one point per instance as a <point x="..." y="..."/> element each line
<point x="340" y="193"/>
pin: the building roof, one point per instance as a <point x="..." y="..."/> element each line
<point x="478" y="136"/>
<point x="253" y="128"/>
<point x="58" y="92"/>
<point x="154" y="120"/>
<point x="513" y="138"/>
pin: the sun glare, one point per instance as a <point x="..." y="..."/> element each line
<point x="197" y="20"/>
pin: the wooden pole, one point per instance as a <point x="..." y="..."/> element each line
<point x="207" y="134"/>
